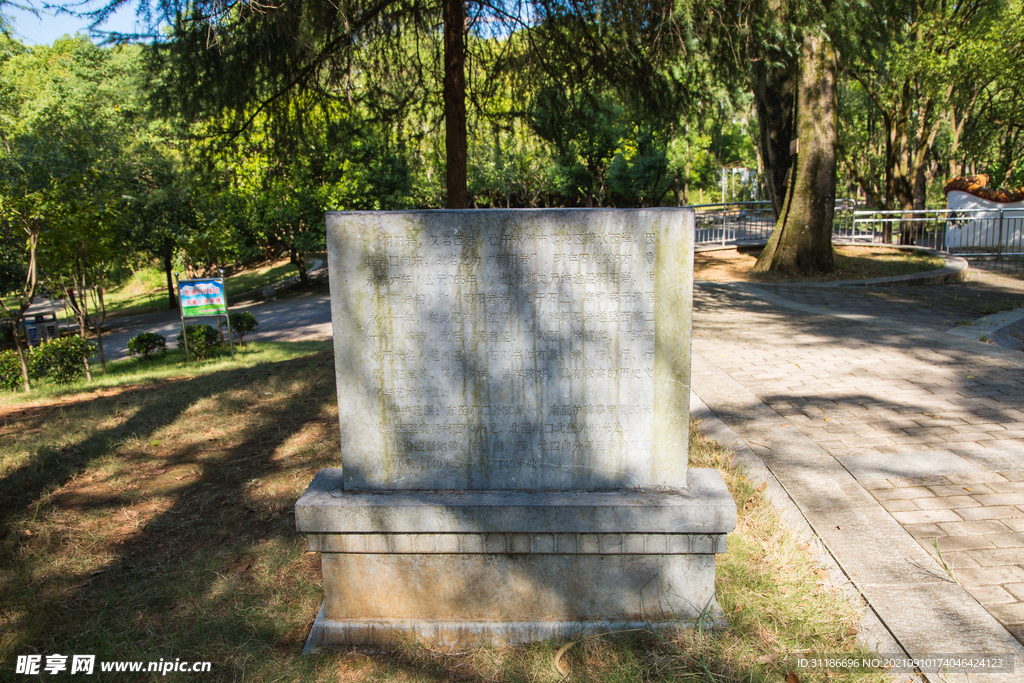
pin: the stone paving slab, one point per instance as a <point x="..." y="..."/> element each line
<point x="936" y="307"/>
<point x="912" y="464"/>
<point x="877" y="431"/>
<point x="1005" y="328"/>
<point x="873" y="634"/>
<point x="894" y="325"/>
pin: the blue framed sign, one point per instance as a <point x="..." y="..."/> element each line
<point x="202" y="297"/>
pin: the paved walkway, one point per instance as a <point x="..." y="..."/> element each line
<point x="900" y="444"/>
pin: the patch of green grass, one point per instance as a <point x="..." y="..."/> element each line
<point x="154" y="520"/>
<point x="146" y="292"/>
<point x="254" y="279"/>
<point x="1000" y="305"/>
<point x="131" y="371"/>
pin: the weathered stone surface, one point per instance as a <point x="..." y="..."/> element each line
<point x="519" y="543"/>
<point x="705" y="507"/>
<point x="512" y="349"/>
<point x="513" y="391"/>
<point x="460" y="599"/>
<point x="448" y="635"/>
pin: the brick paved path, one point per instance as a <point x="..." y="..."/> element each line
<point x="932" y="306"/>
<point x="931" y="425"/>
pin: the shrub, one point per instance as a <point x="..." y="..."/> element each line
<point x="62" y="360"/>
<point x="146" y="344"/>
<point x="10" y="371"/>
<point x="6" y="326"/>
<point x="201" y="339"/>
<point x="242" y="323"/>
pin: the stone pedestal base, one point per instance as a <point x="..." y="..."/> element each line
<point x="460" y="568"/>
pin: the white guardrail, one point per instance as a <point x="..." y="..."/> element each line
<point x="994" y="232"/>
<point x="751" y="222"/>
<point x="983" y="233"/>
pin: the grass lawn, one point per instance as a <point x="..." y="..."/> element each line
<point x="169" y="366"/>
<point x="852" y="263"/>
<point x="151" y="518"/>
<point x="146" y="292"/>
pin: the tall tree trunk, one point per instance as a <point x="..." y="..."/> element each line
<point x="686" y="167"/>
<point x="299" y="262"/>
<point x="98" y="324"/>
<point x="172" y="300"/>
<point x="775" y="97"/>
<point x="802" y="241"/>
<point x="83" y="320"/>
<point x="455" y="103"/>
<point x="99" y="342"/>
<point x="21" y="359"/>
<point x="920" y="202"/>
<point x="16" y="314"/>
<point x="915" y="176"/>
<point x="79" y="304"/>
<point x="889" y="202"/>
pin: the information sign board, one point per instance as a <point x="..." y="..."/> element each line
<point x="202" y="297"/>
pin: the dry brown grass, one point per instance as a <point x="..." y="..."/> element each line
<point x="155" y="521"/>
<point x="852" y="263"/>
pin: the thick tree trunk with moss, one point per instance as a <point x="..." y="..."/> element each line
<point x="802" y="241"/>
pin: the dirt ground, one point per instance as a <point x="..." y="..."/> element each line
<point x="852" y="263"/>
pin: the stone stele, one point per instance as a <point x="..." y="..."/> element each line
<point x="513" y="393"/>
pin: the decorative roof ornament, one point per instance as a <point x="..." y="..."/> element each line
<point x="977" y="185"/>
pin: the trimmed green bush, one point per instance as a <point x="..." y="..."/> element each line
<point x="146" y="344"/>
<point x="6" y="327"/>
<point x="10" y="371"/>
<point x="201" y="340"/>
<point x="62" y="360"/>
<point x="242" y="323"/>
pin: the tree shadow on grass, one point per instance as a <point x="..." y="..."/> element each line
<point x="186" y="550"/>
<point x="149" y="539"/>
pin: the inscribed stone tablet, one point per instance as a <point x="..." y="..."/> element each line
<point x="519" y="349"/>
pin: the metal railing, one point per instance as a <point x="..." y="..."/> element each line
<point x="983" y="233"/>
<point x="733" y="223"/>
<point x="750" y="222"/>
<point x="843" y="225"/>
